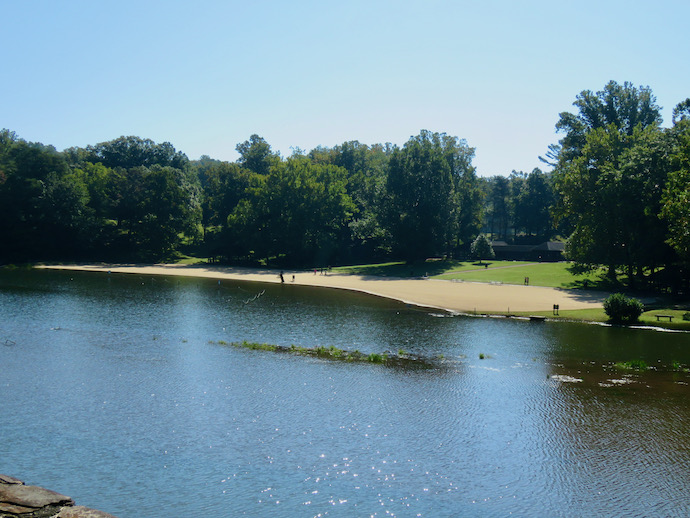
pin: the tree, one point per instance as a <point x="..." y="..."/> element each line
<point x="532" y="204"/>
<point x="609" y="172"/>
<point x="42" y="205"/>
<point x="298" y="210"/>
<point x="499" y="213"/>
<point x="153" y="209"/>
<point x="676" y="195"/>
<point x="432" y="197"/>
<point x="623" y="106"/>
<point x="256" y="155"/>
<point x="226" y="184"/>
<point x="166" y="212"/>
<point x="612" y="194"/>
<point x="128" y="152"/>
<point x="481" y="248"/>
<point x="682" y="111"/>
<point x="366" y="168"/>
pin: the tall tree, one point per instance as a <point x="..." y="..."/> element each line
<point x="366" y="168"/>
<point x="612" y="193"/>
<point x="602" y="170"/>
<point x="430" y="195"/>
<point x="42" y="206"/>
<point x="532" y="206"/>
<point x="128" y="152"/>
<point x="676" y="196"/>
<point x="499" y="212"/>
<point x="256" y="155"/>
<point x="297" y="211"/>
<point x="682" y="111"/>
<point x="226" y="184"/>
<point x="623" y="106"/>
<point x="153" y="209"/>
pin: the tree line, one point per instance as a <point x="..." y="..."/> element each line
<point x="134" y="199"/>
<point x="617" y="193"/>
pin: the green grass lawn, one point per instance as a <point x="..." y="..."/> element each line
<point x="189" y="260"/>
<point x="554" y="275"/>
<point x="648" y="318"/>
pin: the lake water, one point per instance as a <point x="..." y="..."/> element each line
<point x="116" y="391"/>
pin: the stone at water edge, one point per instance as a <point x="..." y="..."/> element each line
<point x="17" y="500"/>
<point x="79" y="511"/>
<point x="32" y="496"/>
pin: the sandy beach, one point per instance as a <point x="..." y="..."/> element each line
<point x="461" y="297"/>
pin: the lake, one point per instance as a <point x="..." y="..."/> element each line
<point x="117" y="390"/>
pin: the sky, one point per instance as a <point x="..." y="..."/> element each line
<point x="208" y="74"/>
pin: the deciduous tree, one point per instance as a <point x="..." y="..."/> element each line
<point x="432" y="196"/>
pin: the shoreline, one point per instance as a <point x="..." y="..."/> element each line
<point x="455" y="297"/>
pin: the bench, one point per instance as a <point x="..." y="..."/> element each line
<point x="659" y="317"/>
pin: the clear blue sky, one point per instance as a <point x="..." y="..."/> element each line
<point x="206" y="75"/>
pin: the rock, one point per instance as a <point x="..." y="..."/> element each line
<point x="32" y="496"/>
<point x="17" y="500"/>
<point x="6" y="479"/>
<point x="79" y="511"/>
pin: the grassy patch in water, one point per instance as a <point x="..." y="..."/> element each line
<point x="376" y="358"/>
<point x="255" y="346"/>
<point x="335" y="353"/>
<point x="676" y="366"/>
<point x="632" y="365"/>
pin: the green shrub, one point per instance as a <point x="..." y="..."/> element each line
<point x="481" y="248"/>
<point x="622" y="309"/>
<point x="686" y="315"/>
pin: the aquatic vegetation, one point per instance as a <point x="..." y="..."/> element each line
<point x="637" y="365"/>
<point x="335" y="353"/>
<point x="678" y="367"/>
<point x="330" y="352"/>
<point x="375" y="358"/>
<point x="254" y="346"/>
<point x="481" y="356"/>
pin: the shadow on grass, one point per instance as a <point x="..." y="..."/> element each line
<point x="404" y="270"/>
<point x="594" y="281"/>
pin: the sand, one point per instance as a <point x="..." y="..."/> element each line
<point x="460" y="297"/>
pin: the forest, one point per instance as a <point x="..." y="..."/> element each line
<point x="617" y="192"/>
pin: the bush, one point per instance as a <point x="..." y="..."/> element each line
<point x="481" y="248"/>
<point x="621" y="308"/>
